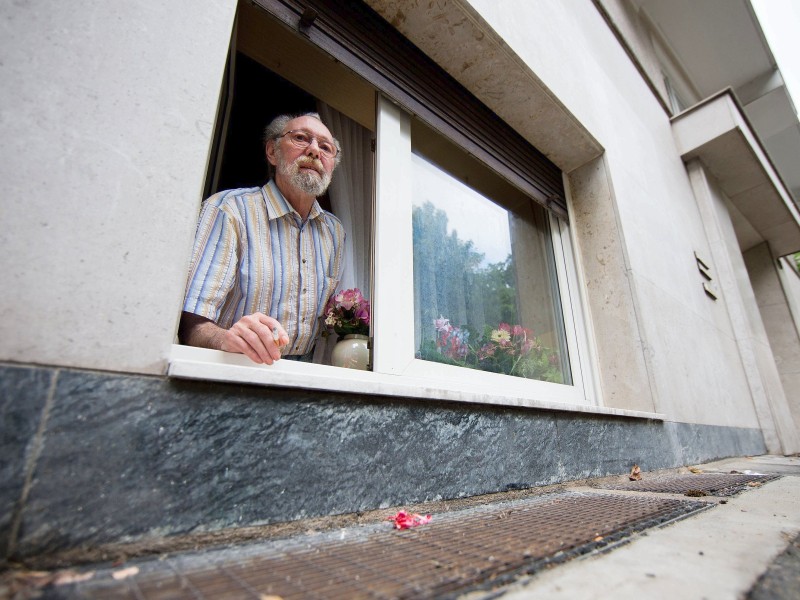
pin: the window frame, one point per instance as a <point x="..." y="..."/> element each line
<point x="393" y="305"/>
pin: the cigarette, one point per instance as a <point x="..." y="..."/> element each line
<point x="275" y="335"/>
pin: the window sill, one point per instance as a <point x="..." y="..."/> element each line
<point x="212" y="365"/>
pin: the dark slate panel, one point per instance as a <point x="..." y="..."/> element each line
<point x="127" y="457"/>
<point x="601" y="446"/>
<point x="703" y="443"/>
<point x="23" y="394"/>
<point x="132" y="456"/>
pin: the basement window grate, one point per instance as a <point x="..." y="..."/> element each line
<point x="478" y="548"/>
<point x="711" y="484"/>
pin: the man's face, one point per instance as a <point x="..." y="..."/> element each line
<point x="306" y="169"/>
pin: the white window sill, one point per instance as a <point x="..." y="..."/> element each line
<point x="212" y="365"/>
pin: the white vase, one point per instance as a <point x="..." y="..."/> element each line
<point x="351" y="352"/>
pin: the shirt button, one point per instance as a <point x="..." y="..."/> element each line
<point x="304" y="290"/>
<point x="304" y="261"/>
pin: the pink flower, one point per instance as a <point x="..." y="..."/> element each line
<point x="442" y="324"/>
<point x="404" y="520"/>
<point x="486" y="351"/>
<point x="349" y="298"/>
<point x="362" y="314"/>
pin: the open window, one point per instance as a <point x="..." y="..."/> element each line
<point x="272" y="71"/>
<point x="457" y="226"/>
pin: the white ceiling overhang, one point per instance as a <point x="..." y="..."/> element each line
<point x="716" y="44"/>
<point x="716" y="132"/>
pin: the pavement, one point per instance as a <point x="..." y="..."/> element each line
<point x="746" y="546"/>
<point x="720" y="553"/>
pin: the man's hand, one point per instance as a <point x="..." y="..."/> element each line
<point x="257" y="336"/>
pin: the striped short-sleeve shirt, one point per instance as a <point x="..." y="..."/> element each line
<point x="253" y="253"/>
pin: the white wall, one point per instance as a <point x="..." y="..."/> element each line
<point x="689" y="345"/>
<point x="789" y="354"/>
<point x="777" y="290"/>
<point x="757" y="362"/>
<point x="106" y="110"/>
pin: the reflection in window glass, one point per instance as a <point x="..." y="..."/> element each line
<point x="485" y="294"/>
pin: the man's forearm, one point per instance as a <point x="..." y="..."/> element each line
<point x="195" y="330"/>
<point x="258" y="336"/>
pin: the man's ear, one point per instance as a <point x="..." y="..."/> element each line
<point x="271" y="153"/>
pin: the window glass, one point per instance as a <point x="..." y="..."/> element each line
<point x="485" y="291"/>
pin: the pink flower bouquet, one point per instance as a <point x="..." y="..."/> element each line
<point x="508" y="349"/>
<point x="348" y="312"/>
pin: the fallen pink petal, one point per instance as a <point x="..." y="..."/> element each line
<point x="405" y="520"/>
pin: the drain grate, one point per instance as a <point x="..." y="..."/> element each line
<point x="456" y="552"/>
<point x="713" y="484"/>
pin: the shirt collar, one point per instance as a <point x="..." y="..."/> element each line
<point x="278" y="206"/>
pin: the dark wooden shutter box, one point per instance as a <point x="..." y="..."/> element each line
<point x="359" y="38"/>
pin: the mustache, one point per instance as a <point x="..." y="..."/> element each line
<point x="314" y="163"/>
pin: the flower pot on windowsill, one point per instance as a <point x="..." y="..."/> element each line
<point x="351" y="352"/>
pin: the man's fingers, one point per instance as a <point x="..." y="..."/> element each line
<point x="250" y="353"/>
<point x="266" y="334"/>
<point x="258" y="345"/>
<point x="255" y="335"/>
<point x="279" y="335"/>
<point x="242" y="340"/>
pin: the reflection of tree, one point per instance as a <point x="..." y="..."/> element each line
<point x="449" y="279"/>
<point x="498" y="283"/>
<point x="480" y="323"/>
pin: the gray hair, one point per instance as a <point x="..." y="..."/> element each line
<point x="275" y="128"/>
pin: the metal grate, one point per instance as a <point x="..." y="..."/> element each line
<point x="457" y="552"/>
<point x="712" y="484"/>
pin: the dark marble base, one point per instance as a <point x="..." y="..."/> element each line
<point x="23" y="396"/>
<point x="128" y="457"/>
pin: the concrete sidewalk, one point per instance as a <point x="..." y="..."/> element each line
<point x="719" y="553"/>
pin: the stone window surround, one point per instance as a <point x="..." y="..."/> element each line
<point x="614" y="338"/>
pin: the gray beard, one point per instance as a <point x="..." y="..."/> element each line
<point x="307" y="182"/>
<point x="310" y="183"/>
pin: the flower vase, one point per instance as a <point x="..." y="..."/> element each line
<point x="351" y="352"/>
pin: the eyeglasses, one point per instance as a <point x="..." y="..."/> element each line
<point x="302" y="139"/>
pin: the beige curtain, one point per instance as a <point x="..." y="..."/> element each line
<point x="351" y="200"/>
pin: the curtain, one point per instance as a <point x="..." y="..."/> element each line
<point x="350" y="193"/>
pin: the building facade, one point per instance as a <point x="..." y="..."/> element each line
<point x="568" y="170"/>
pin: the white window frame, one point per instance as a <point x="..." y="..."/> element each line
<point x="393" y="314"/>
